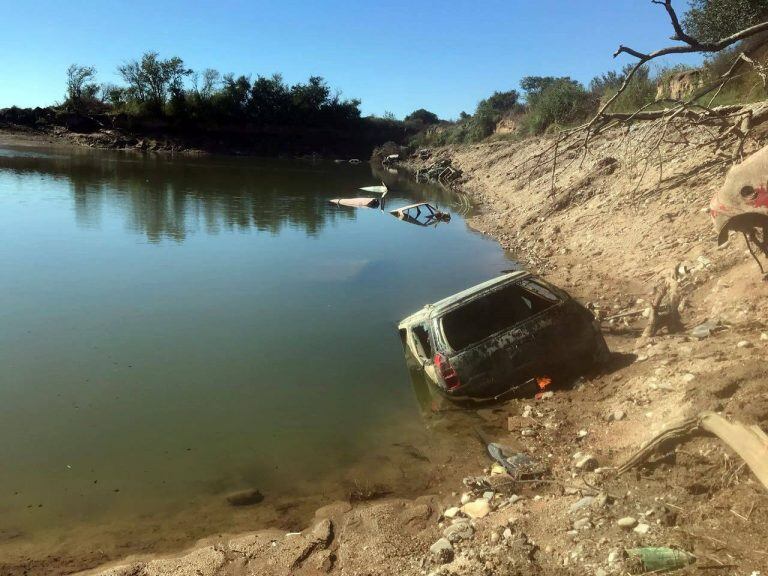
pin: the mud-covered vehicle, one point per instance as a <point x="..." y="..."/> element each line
<point x="503" y="335"/>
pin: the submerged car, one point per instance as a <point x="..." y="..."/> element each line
<point x="502" y="335"/>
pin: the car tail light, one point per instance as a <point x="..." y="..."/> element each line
<point x="446" y="371"/>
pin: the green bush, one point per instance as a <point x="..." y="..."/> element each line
<point x="471" y="128"/>
<point x="711" y="20"/>
<point x="555" y="102"/>
<point x="423" y="116"/>
<point x="640" y="91"/>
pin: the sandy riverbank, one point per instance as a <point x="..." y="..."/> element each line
<point x="608" y="243"/>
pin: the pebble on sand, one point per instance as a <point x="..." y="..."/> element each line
<point x="477" y="509"/>
<point x="642" y="528"/>
<point x="627" y="522"/>
<point x="451" y="512"/>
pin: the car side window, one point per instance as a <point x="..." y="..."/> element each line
<point x="540" y="290"/>
<point x="422" y="337"/>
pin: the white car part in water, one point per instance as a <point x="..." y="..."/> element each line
<point x="376" y="189"/>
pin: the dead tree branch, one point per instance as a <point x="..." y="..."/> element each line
<point x="749" y="442"/>
<point x="664" y="315"/>
<point x="691" y="45"/>
<point x="727" y="128"/>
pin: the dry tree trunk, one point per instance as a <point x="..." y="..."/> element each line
<point x="665" y="315"/>
<point x="749" y="442"/>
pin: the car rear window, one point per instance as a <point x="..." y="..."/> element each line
<point x="493" y="313"/>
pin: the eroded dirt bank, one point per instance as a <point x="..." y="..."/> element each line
<point x="607" y="235"/>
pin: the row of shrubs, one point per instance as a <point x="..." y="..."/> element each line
<point x="166" y="88"/>
<point x="546" y="103"/>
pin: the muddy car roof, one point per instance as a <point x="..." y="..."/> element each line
<point x="438" y="307"/>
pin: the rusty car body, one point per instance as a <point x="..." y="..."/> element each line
<point x="501" y="336"/>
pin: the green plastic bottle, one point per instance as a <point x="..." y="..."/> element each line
<point x="661" y="559"/>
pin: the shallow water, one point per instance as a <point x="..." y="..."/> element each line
<point x="174" y="329"/>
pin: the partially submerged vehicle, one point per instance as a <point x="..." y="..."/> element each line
<point x="422" y="214"/>
<point x="500" y="336"/>
<point x="356" y="202"/>
<point x="363" y="202"/>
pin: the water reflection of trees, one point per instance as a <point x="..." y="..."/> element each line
<point x="169" y="198"/>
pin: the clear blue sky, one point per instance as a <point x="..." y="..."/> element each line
<point x="394" y="55"/>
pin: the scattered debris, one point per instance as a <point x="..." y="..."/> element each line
<point x="440" y="171"/>
<point x="518" y="465"/>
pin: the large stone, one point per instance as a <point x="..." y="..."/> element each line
<point x="477" y="509"/>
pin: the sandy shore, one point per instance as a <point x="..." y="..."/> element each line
<point x="608" y="242"/>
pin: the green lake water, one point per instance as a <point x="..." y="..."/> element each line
<point x="172" y="329"/>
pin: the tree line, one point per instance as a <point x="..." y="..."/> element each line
<point x="167" y="88"/>
<point x="156" y="87"/>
